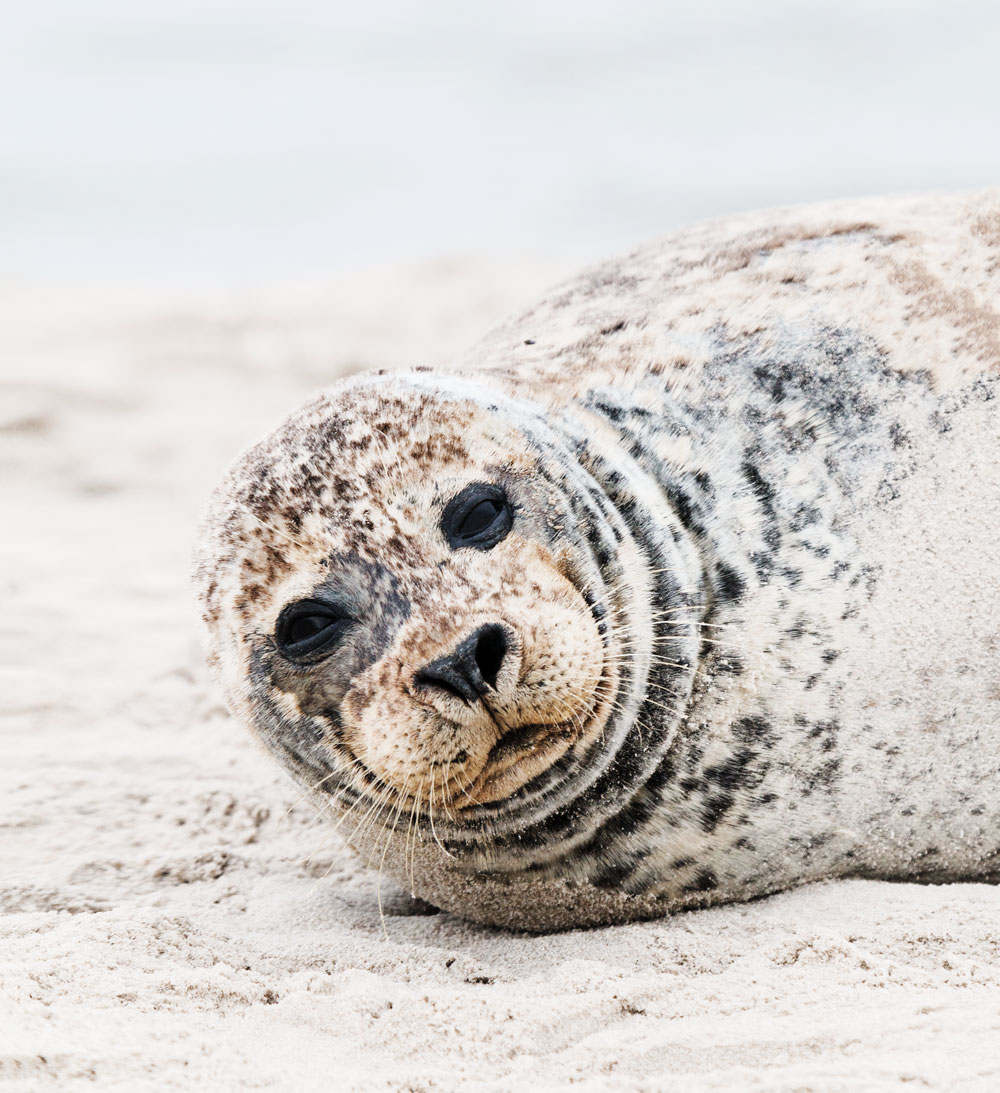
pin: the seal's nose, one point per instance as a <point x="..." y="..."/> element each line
<point x="472" y="669"/>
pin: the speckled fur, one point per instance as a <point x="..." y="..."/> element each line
<point x="755" y="571"/>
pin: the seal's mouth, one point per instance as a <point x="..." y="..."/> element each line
<point x="515" y="741"/>
<point x="520" y="753"/>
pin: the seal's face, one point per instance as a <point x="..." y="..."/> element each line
<point x="395" y="602"/>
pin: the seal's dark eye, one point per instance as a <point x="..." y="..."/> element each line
<point x="309" y="627"/>
<point x="480" y="516"/>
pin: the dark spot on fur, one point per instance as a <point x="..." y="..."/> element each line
<point x="612" y="413"/>
<point x="763" y="491"/>
<point x="732" y="774"/>
<point x="749" y="729"/>
<point x="705" y="881"/>
<point x="731" y="584"/>
<point x="714" y="809"/>
<point x="681" y="504"/>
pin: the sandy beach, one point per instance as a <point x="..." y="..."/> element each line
<point x="176" y="918"/>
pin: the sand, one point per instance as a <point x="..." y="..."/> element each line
<point x="174" y="918"/>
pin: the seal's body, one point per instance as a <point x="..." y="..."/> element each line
<point x="682" y="587"/>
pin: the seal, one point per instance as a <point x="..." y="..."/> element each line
<point x="681" y="587"/>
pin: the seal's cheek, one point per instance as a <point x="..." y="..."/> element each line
<point x="563" y="664"/>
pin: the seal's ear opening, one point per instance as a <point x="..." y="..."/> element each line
<point x="478" y="517"/>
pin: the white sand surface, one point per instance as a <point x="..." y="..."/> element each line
<point x="174" y="919"/>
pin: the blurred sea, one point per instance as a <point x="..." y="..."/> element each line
<point x="214" y="137"/>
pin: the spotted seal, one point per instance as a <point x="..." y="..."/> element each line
<point x="683" y="586"/>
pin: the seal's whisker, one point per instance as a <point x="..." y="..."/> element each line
<point x="658" y="705"/>
<point x="430" y="814"/>
<point x="444" y="784"/>
<point x="446" y="789"/>
<point x="373" y="805"/>
<point x="300" y="797"/>
<point x="381" y="800"/>
<point x="389" y="817"/>
<point x="416" y="831"/>
<point x="378" y="883"/>
<point x="389" y="830"/>
<point x="323" y="813"/>
<point x="381" y="803"/>
<point x="332" y="835"/>
<point x="673" y="621"/>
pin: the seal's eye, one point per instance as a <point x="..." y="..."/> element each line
<point x="480" y="516"/>
<point x="308" y="627"/>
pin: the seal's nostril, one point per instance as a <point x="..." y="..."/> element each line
<point x="446" y="676"/>
<point x="491" y="648"/>
<point x="472" y="669"/>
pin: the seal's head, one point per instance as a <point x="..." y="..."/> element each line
<point x="416" y="594"/>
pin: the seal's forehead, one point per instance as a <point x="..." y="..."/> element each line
<point x="359" y="469"/>
<point x="366" y="443"/>
<point x="374" y="420"/>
